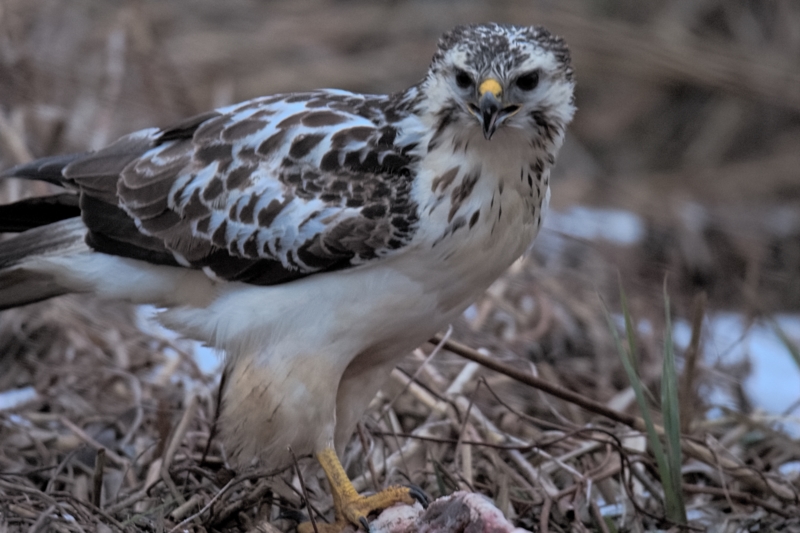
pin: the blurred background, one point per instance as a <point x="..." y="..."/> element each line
<point x="688" y="109"/>
<point x="683" y="161"/>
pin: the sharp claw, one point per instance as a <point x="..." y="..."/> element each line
<point x="364" y="523"/>
<point x="419" y="495"/>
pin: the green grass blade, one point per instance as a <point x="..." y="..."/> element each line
<point x="641" y="400"/>
<point x="670" y="409"/>
<point x="669" y="461"/>
<point x="630" y="333"/>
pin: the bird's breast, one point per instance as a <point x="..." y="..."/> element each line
<point x="479" y="213"/>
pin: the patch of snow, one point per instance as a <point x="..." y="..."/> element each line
<point x="614" y="225"/>
<point x="208" y="359"/>
<point x="14" y="398"/>
<point x="614" y="509"/>
<point x="773" y="385"/>
<point x="790" y="469"/>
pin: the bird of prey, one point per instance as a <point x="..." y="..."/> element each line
<point x="313" y="237"/>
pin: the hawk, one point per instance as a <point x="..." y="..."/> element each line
<point x="313" y="237"/>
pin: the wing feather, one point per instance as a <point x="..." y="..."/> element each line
<point x="263" y="192"/>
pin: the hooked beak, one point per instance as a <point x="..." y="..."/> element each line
<point x="489" y="110"/>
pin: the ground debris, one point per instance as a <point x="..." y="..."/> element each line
<point x="681" y="123"/>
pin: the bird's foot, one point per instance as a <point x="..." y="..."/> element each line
<point x="357" y="510"/>
<point x="349" y="506"/>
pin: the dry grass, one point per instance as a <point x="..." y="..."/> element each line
<point x="688" y="116"/>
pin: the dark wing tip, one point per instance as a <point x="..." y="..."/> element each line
<point x="49" y="169"/>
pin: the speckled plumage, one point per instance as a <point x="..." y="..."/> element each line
<point x="264" y="192"/>
<point x="313" y="237"/>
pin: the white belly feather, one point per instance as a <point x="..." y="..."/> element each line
<point x="371" y="314"/>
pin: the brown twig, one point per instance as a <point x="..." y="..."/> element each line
<point x="175" y="441"/>
<point x="205" y="508"/>
<point x="689" y="447"/>
<point x="741" y="496"/>
<point x="97" y="477"/>
<point x="538" y="383"/>
<point x="92" y="442"/>
<point x="311" y="516"/>
<point x="544" y="517"/>
<point x="368" y="455"/>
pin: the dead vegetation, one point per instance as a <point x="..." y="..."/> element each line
<point x="689" y="116"/>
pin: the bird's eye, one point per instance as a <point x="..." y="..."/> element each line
<point x="529" y="81"/>
<point x="463" y="79"/>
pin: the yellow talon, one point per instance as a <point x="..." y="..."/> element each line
<point x="349" y="506"/>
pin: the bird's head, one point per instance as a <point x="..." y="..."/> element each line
<point x="494" y="76"/>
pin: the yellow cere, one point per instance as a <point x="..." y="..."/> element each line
<point x="490" y="85"/>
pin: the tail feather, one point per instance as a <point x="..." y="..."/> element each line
<point x="48" y="226"/>
<point x="18" y="288"/>
<point x="40" y="211"/>
<point x="20" y="282"/>
<point x="52" y="254"/>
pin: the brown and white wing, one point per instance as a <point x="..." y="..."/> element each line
<point x="263" y="192"/>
